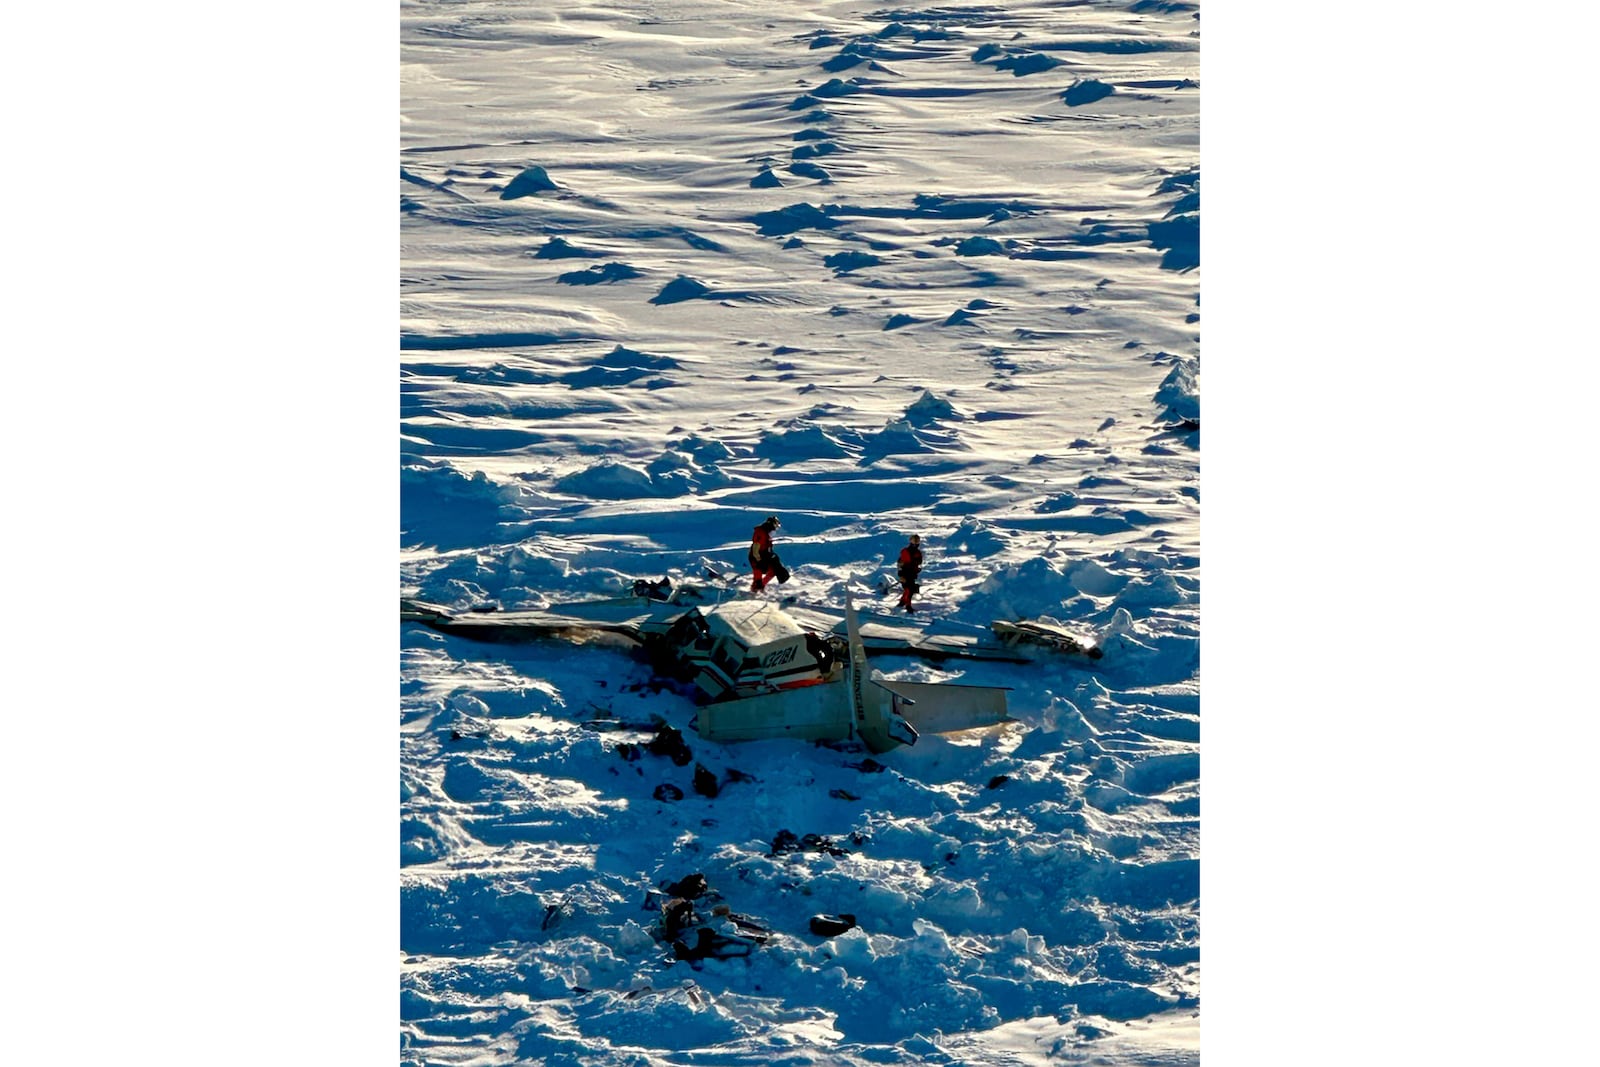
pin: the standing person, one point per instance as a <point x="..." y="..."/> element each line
<point x="910" y="566"/>
<point x="764" y="562"/>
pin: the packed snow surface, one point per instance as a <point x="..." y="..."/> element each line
<point x="670" y="267"/>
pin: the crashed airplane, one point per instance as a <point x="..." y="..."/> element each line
<point x="763" y="671"/>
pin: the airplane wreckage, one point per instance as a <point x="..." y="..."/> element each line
<point x="761" y="670"/>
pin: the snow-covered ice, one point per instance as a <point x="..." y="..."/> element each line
<point x="666" y="267"/>
<point x="669" y="268"/>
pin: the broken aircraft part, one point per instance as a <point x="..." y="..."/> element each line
<point x="762" y="671"/>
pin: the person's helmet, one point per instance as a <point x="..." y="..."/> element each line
<point x="772" y="521"/>
<point x="916" y="539"/>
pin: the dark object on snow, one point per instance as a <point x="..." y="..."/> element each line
<point x="667" y="791"/>
<point x="832" y="925"/>
<point x="739" y="936"/>
<point x="818" y="843"/>
<point x="689" y="888"/>
<point x="709" y="943"/>
<point x="842" y="794"/>
<point x="556" y="913"/>
<point x="661" y="590"/>
<point x="677" y="915"/>
<point x="669" y="742"/>
<point x="785" y="842"/>
<point x="628" y="752"/>
<point x="999" y="780"/>
<point x="705" y="783"/>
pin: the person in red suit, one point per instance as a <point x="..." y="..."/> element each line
<point x="909" y="567"/>
<point x="764" y="562"/>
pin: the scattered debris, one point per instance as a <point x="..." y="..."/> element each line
<point x="658" y="590"/>
<point x="1044" y="635"/>
<point x="669" y="742"/>
<point x="556" y="913"/>
<point x="999" y="780"/>
<point x="690" y="887"/>
<point x="667" y="791"/>
<point x="677" y="915"/>
<point x="786" y="842"/>
<point x="724" y="935"/>
<point x="832" y="925"/>
<point x="709" y="943"/>
<point x="705" y="783"/>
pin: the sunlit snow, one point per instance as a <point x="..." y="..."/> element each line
<point x="670" y="267"/>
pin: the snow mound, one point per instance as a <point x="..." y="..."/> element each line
<point x="1040" y="587"/>
<point x="561" y="248"/>
<point x="896" y="436"/>
<point x="530" y="182"/>
<point x="980" y="246"/>
<point x="1024" y="63"/>
<point x="680" y="289"/>
<point x="605" y="273"/>
<point x="792" y="219"/>
<point x="675" y="472"/>
<point x="1179" y="391"/>
<point x="441" y="506"/>
<point x="1086" y="92"/>
<point x="976" y="537"/>
<point x="929" y="408"/>
<point x="797" y="444"/>
<point x="612" y="480"/>
<point x="845" y="262"/>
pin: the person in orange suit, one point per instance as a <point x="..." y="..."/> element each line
<point x="764" y="562"/>
<point x="910" y="566"/>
